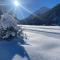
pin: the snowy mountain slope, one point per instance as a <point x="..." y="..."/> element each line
<point x="52" y="29"/>
<point x="41" y="45"/>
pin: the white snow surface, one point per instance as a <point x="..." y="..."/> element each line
<point x="43" y="43"/>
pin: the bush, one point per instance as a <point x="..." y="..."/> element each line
<point x="10" y="33"/>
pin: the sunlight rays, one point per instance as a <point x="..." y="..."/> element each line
<point x="16" y="3"/>
<point x="27" y="10"/>
<point x="19" y="5"/>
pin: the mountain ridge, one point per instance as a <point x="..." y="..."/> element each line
<point x="51" y="17"/>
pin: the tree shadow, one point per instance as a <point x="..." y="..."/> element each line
<point x="9" y="49"/>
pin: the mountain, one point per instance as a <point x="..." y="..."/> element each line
<point x="50" y="17"/>
<point x="34" y="15"/>
<point x="42" y="10"/>
<point x="38" y="12"/>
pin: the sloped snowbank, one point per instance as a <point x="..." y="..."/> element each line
<point x="51" y="29"/>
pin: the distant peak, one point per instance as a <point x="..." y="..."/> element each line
<point x="42" y="10"/>
<point x="58" y="5"/>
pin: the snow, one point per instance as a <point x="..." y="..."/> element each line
<point x="44" y="28"/>
<point x="8" y="26"/>
<point x="7" y="21"/>
<point x="43" y="43"/>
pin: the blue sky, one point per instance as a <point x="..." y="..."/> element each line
<point x="32" y="5"/>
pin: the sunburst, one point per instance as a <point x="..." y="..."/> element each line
<point x="18" y="4"/>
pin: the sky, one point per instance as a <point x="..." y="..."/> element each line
<point x="33" y="5"/>
<point x="30" y="6"/>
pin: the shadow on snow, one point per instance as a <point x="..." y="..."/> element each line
<point x="9" y="49"/>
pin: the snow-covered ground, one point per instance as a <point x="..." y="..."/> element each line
<point x="43" y="43"/>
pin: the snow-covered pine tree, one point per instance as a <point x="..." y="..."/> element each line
<point x="8" y="25"/>
<point x="9" y="28"/>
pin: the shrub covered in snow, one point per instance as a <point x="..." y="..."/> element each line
<point x="9" y="28"/>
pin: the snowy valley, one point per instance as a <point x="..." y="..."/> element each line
<point x="26" y="34"/>
<point x="42" y="43"/>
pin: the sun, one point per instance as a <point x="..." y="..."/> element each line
<point x="16" y="3"/>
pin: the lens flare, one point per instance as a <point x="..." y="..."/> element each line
<point x="16" y="3"/>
